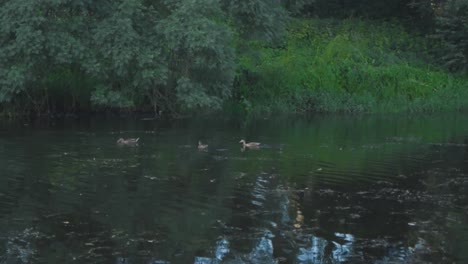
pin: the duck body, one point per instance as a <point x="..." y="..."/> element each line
<point x="250" y="144"/>
<point x="202" y="146"/>
<point x="128" y="141"/>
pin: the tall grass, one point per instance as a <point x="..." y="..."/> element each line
<point x="347" y="66"/>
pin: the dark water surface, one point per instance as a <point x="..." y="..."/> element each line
<point x="332" y="189"/>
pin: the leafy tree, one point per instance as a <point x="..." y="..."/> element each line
<point x="126" y="56"/>
<point x="258" y="19"/>
<point x="452" y="31"/>
<point x="375" y="9"/>
<point x="298" y="7"/>
<point x="40" y="40"/>
<point x="199" y="54"/>
<point x="21" y="46"/>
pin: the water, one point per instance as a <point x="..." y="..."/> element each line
<point x="330" y="189"/>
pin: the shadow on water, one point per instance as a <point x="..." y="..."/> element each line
<point x="326" y="189"/>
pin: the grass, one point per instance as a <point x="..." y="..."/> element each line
<point x="347" y="66"/>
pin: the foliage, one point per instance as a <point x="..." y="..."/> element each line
<point x="43" y="43"/>
<point x="125" y="60"/>
<point x="452" y="32"/>
<point x="156" y="55"/>
<point x="199" y="53"/>
<point x="188" y="56"/>
<point x="366" y="8"/>
<point x="351" y="66"/>
<point x="258" y="19"/>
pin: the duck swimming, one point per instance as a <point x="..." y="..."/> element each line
<point x="250" y="144"/>
<point x="202" y="146"/>
<point x="128" y="141"/>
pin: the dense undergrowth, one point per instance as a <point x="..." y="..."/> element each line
<point x="58" y="58"/>
<point x="347" y="66"/>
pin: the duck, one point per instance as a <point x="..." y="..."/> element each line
<point x="202" y="146"/>
<point x="250" y="144"/>
<point x="128" y="141"/>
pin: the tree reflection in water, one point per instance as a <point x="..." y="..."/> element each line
<point x="339" y="190"/>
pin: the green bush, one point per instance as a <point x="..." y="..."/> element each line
<point x="347" y="66"/>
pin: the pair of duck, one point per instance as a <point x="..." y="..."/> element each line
<point x="134" y="141"/>
<point x="244" y="145"/>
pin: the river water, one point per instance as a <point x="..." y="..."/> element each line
<point x="322" y="189"/>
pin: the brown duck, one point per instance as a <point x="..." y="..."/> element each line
<point x="250" y="144"/>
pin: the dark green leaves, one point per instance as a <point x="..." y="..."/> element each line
<point x="258" y="19"/>
<point x="145" y="54"/>
<point x="200" y="55"/>
<point x="452" y="31"/>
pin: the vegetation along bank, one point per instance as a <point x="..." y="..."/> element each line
<point x="259" y="56"/>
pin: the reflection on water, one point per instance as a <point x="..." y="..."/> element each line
<point x="333" y="189"/>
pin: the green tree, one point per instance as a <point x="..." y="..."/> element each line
<point x="199" y="53"/>
<point x="64" y="55"/>
<point x="126" y="57"/>
<point x="258" y="19"/>
<point x="42" y="42"/>
<point x="452" y="31"/>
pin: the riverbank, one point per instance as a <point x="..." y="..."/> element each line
<point x="349" y="66"/>
<point x="320" y="66"/>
